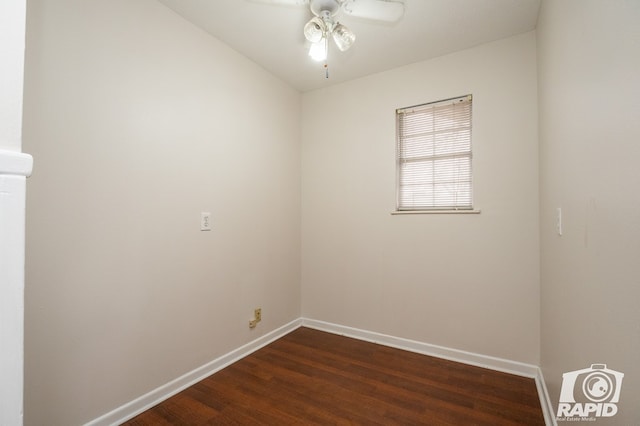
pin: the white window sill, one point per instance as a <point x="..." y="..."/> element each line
<point x="402" y="212"/>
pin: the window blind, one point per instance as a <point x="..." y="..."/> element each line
<point x="434" y="156"/>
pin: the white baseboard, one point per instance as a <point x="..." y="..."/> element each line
<point x="143" y="403"/>
<point x="485" y="361"/>
<point x="470" y="358"/>
<point x="545" y="400"/>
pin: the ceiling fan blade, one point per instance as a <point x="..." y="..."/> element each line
<point x="375" y="10"/>
<point x="282" y="2"/>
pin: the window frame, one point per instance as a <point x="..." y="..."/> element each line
<point x="452" y="154"/>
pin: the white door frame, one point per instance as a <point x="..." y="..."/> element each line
<point x="14" y="169"/>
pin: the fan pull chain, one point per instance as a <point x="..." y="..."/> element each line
<point x="326" y="59"/>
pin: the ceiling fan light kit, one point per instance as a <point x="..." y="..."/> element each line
<point x="323" y="25"/>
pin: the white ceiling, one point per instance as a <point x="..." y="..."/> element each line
<point x="272" y="36"/>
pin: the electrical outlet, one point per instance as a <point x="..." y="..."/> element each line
<point x="253" y="323"/>
<point x="257" y="314"/>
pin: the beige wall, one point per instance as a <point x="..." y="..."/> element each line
<point x="589" y="62"/>
<point x="469" y="282"/>
<point x="138" y="122"/>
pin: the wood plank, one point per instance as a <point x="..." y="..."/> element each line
<point x="311" y="377"/>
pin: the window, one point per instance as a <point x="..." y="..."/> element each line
<point x="434" y="156"/>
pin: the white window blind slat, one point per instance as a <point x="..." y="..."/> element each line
<point x="434" y="156"/>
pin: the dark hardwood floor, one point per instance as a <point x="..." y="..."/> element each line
<point x="312" y="377"/>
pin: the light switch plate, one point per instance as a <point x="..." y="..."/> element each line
<point x="205" y="221"/>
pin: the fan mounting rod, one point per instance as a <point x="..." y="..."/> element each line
<point x="320" y="7"/>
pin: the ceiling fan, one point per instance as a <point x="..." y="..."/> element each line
<point x="324" y="23"/>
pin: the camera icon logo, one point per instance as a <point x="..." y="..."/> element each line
<point x="592" y="391"/>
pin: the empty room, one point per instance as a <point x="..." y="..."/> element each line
<point x="319" y="212"/>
